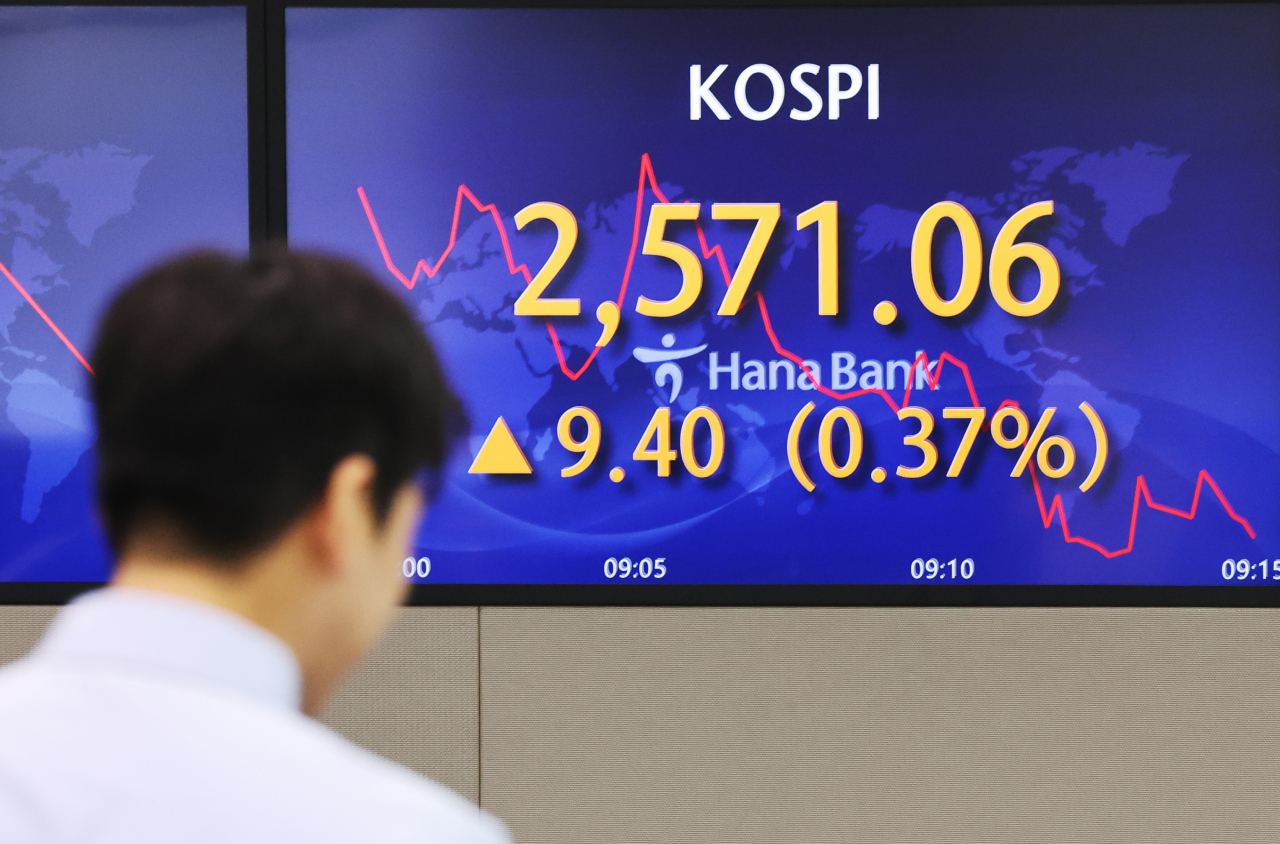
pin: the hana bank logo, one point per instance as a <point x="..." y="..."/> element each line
<point x="669" y="371"/>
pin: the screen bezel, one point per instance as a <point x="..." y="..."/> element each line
<point x="34" y="593"/>
<point x="268" y="221"/>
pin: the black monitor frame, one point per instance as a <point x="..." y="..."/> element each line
<point x="268" y="221"/>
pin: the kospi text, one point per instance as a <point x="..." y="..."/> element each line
<point x="842" y="82"/>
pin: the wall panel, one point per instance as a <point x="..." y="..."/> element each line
<point x="415" y="700"/>
<point x="807" y="726"/>
<point x="21" y="628"/>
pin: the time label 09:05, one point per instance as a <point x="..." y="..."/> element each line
<point x="646" y="568"/>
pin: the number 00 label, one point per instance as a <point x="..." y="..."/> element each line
<point x="420" y="567"/>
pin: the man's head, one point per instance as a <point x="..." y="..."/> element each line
<point x="262" y="427"/>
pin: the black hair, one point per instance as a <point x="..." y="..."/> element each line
<point x="227" y="390"/>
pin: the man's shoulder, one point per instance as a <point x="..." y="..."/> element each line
<point x="181" y="745"/>
<point x="396" y="789"/>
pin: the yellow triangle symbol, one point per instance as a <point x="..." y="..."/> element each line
<point x="500" y="454"/>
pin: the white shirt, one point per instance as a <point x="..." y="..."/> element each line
<point x="148" y="719"/>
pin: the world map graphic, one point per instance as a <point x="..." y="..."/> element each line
<point x="52" y="203"/>
<point x="468" y="306"/>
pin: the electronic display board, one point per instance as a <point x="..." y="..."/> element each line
<point x="123" y="138"/>
<point x="823" y="296"/>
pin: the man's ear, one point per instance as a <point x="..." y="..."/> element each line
<point x="344" y="518"/>
<point x="404" y="516"/>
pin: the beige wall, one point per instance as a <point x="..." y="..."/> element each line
<point x="416" y="699"/>
<point x="816" y="725"/>
<point x="20" y="629"/>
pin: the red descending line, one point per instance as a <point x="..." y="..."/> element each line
<point x="933" y="372"/>
<point x="45" y="317"/>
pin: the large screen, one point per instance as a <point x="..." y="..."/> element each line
<point x="860" y="296"/>
<point x="123" y="138"/>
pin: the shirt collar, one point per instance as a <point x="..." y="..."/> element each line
<point x="179" y="637"/>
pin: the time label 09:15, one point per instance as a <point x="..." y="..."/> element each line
<point x="1245" y="570"/>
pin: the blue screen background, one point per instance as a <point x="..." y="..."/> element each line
<point x="1160" y="155"/>
<point x="123" y="138"/>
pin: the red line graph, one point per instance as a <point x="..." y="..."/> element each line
<point x="933" y="372"/>
<point x="49" y="322"/>
<point x="1141" y="494"/>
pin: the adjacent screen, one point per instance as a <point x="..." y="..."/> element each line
<point x="123" y="138"/>
<point x="882" y="296"/>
